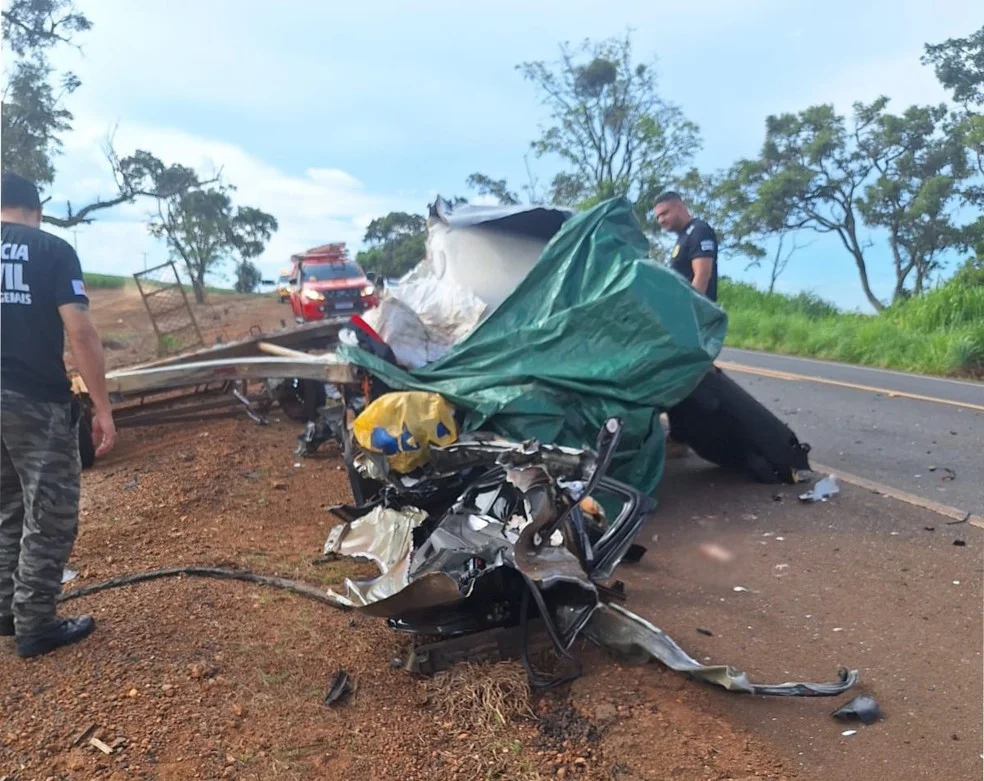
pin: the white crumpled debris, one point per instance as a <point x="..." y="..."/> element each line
<point x="822" y="491"/>
<point x="422" y="317"/>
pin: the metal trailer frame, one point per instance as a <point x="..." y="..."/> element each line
<point x="218" y="381"/>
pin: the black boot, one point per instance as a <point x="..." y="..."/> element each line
<point x="6" y="626"/>
<point x="65" y="632"/>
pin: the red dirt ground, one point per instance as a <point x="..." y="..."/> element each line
<point x="203" y="679"/>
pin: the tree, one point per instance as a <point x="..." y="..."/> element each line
<point x="809" y="176"/>
<point x="34" y="115"/>
<point x="202" y="228"/>
<point x="497" y="188"/>
<point x="918" y="167"/>
<point x="609" y="124"/>
<point x="33" y="110"/>
<point x="248" y="277"/>
<point x="959" y="65"/>
<point x="397" y="244"/>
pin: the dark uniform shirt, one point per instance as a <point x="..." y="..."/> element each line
<point x="697" y="240"/>
<point x="40" y="273"/>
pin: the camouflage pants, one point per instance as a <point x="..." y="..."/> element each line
<point x="40" y="475"/>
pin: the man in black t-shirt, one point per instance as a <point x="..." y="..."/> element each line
<point x="694" y="257"/>
<point x="42" y="298"/>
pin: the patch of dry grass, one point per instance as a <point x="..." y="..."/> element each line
<point x="481" y="697"/>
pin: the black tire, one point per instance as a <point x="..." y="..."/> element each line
<point x="300" y="399"/>
<point x="87" y="451"/>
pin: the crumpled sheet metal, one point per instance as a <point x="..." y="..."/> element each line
<point x="384" y="536"/>
<point x="621" y="630"/>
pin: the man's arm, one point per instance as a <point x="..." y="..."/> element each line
<point x="702" y="273"/>
<point x="87" y="351"/>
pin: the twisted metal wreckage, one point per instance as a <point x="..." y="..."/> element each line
<point x="500" y="535"/>
<point x="497" y="540"/>
<point x="507" y="534"/>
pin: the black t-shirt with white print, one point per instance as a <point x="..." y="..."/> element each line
<point x="697" y="240"/>
<point x="41" y="272"/>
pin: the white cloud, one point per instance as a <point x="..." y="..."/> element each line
<point x="314" y="207"/>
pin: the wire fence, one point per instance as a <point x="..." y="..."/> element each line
<point x="169" y="309"/>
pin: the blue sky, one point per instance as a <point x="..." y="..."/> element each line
<point x="328" y="114"/>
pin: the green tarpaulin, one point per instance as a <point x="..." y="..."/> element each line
<point x="595" y="330"/>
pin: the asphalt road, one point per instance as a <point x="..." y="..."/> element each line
<point x="854" y="421"/>
<point x="863" y="581"/>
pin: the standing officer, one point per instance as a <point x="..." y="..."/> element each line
<point x="694" y="257"/>
<point x="43" y="297"/>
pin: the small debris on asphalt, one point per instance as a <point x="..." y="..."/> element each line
<point x="129" y="485"/>
<point x="777" y="497"/>
<point x="930" y="528"/>
<point x="717" y="552"/>
<point x="739" y="588"/>
<point x="863" y="707"/>
<point x="956" y="583"/>
<point x="68" y="575"/>
<point x="396" y="662"/>
<point x="950" y="474"/>
<point x="749" y="517"/>
<point x="838" y="629"/>
<point x="848" y="732"/>
<point x="780" y="570"/>
<point x="960" y="543"/>
<point x="338" y="688"/>
<point x="705" y="631"/>
<point x="822" y="491"/>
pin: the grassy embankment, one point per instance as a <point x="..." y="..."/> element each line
<point x="112" y="282"/>
<point x="941" y="332"/>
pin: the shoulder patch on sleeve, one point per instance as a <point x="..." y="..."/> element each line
<point x="78" y="286"/>
<point x="707" y="245"/>
<point x="690" y="229"/>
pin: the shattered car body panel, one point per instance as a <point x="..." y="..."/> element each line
<point x="504" y="541"/>
<point x="513" y="525"/>
<point x="614" y="627"/>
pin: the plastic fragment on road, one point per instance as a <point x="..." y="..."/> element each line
<point x="614" y="627"/>
<point x="863" y="707"/>
<point x="68" y="575"/>
<point x="848" y="732"/>
<point x="822" y="491"/>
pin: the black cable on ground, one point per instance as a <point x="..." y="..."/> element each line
<point x="294" y="586"/>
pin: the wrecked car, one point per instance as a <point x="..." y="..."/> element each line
<point x="494" y="536"/>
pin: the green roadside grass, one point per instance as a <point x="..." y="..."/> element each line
<point x="940" y="332"/>
<point x="112" y="282"/>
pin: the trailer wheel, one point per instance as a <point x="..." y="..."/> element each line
<point x="300" y="399"/>
<point x="87" y="451"/>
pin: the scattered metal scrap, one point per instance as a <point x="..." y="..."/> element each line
<point x="863" y="708"/>
<point x="339" y="687"/>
